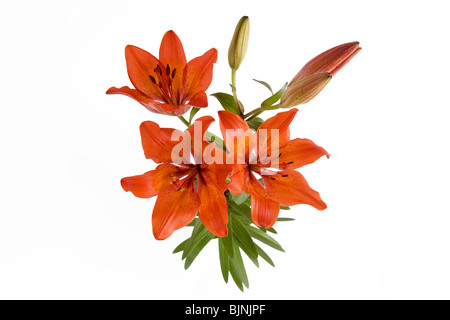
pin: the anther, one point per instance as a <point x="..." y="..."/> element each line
<point x="168" y="70"/>
<point x="173" y="73"/>
<point x="158" y="70"/>
<point x="153" y="79"/>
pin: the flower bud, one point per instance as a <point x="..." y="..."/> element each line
<point x="304" y="90"/>
<point x="330" y="61"/>
<point x="238" y="45"/>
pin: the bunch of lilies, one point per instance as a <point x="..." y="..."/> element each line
<point x="230" y="188"/>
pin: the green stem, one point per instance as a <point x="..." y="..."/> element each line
<point x="184" y="121"/>
<point x="233" y="89"/>
<point x="258" y="111"/>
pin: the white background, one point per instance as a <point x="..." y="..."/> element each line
<point x="68" y="230"/>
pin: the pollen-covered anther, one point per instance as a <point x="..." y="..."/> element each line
<point x="158" y="70"/>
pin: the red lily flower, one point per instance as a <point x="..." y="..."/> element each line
<point x="285" y="186"/>
<point x="168" y="85"/>
<point x="184" y="189"/>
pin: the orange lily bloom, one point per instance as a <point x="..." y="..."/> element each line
<point x="316" y="74"/>
<point x="183" y="189"/>
<point x="284" y="186"/>
<point x="169" y="85"/>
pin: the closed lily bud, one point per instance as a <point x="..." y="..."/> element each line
<point x="304" y="90"/>
<point x="239" y="43"/>
<point x="330" y="61"/>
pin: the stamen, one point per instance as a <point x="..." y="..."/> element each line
<point x="153" y="79"/>
<point x="173" y="73"/>
<point x="158" y="70"/>
<point x="291" y="162"/>
<point x="284" y="175"/>
<point x="168" y="70"/>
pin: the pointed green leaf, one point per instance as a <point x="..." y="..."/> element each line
<point x="224" y="260"/>
<point x="228" y="244"/>
<point x="242" y="211"/>
<point x="250" y="255"/>
<point x="265" y="84"/>
<point x="227" y="101"/>
<point x="202" y="242"/>
<point x="237" y="268"/>
<point x="211" y="137"/>
<point x="255" y="123"/>
<point x="284" y="208"/>
<point x="194" y="111"/>
<point x="265" y="256"/>
<point x="181" y="246"/>
<point x="274" y="98"/>
<point x="285" y="219"/>
<point x="241" y="198"/>
<point x="241" y="233"/>
<point x="197" y="233"/>
<point x="264" y="238"/>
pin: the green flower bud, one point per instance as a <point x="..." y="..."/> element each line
<point x="239" y="43"/>
<point x="304" y="90"/>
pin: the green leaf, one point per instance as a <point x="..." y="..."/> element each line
<point x="264" y="255"/>
<point x="224" y="260"/>
<point x="202" y="242"/>
<point x="265" y="238"/>
<point x="255" y="123"/>
<point x="228" y="244"/>
<point x="194" y="111"/>
<point x="192" y="223"/>
<point x="265" y="84"/>
<point x="181" y="246"/>
<point x="285" y="219"/>
<point x="198" y="231"/>
<point x="211" y="137"/>
<point x="284" y="208"/>
<point x="274" y="98"/>
<point x="272" y="230"/>
<point x="227" y="101"/>
<point x="241" y="198"/>
<point x="242" y="211"/>
<point x="249" y="254"/>
<point x="237" y="268"/>
<point x="241" y="233"/>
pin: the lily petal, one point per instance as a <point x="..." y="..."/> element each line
<point x="238" y="177"/>
<point x="300" y="152"/>
<point x="330" y="61"/>
<point x="199" y="100"/>
<point x="237" y="135"/>
<point x="197" y="75"/>
<point x="150" y="183"/>
<point x="174" y="208"/>
<point x="197" y="134"/>
<point x="213" y="206"/>
<point x="290" y="188"/>
<point x="264" y="210"/>
<point x="281" y="123"/>
<point x="140" y="66"/>
<point x="141" y="186"/>
<point x="171" y="53"/>
<point x="152" y="105"/>
<point x="157" y="142"/>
